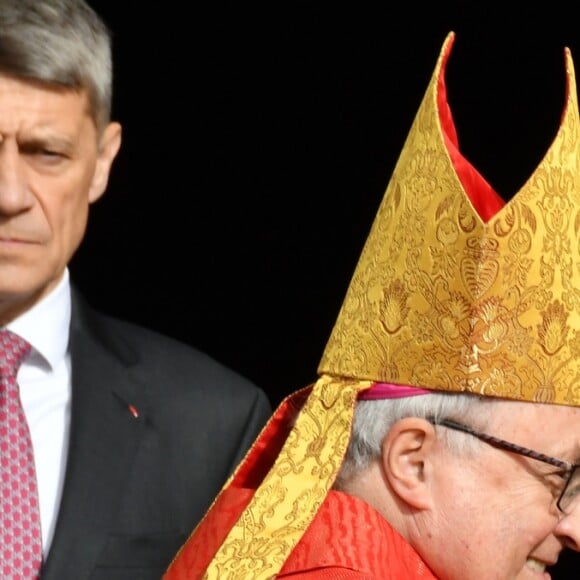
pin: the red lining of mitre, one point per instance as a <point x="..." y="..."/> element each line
<point x="484" y="198"/>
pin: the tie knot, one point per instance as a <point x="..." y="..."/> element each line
<point x="13" y="349"/>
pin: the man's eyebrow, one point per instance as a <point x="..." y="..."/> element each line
<point x="47" y="140"/>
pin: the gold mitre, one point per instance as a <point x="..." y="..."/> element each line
<point x="444" y="299"/>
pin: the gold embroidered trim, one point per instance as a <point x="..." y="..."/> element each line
<point x="292" y="492"/>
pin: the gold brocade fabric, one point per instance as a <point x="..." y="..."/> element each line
<point x="442" y="300"/>
<point x="292" y="492"/>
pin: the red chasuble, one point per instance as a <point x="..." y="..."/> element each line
<point x="348" y="539"/>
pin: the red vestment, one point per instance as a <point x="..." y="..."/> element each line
<point x="347" y="540"/>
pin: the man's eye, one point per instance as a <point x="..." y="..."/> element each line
<point x="50" y="153"/>
<point x="34" y="150"/>
<point x="573" y="488"/>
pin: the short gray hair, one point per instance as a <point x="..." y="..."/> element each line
<point x="59" y="42"/>
<point x="374" y="418"/>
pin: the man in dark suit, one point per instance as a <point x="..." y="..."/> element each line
<point x="133" y="433"/>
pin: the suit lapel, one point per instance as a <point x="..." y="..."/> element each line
<point x="104" y="436"/>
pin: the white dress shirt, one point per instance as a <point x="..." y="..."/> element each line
<point x="45" y="390"/>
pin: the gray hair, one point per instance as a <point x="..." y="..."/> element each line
<point x="59" y="42"/>
<point x="373" y="420"/>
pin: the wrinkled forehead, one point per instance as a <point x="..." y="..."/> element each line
<point x="552" y="429"/>
<point x="43" y="113"/>
<point x="44" y="100"/>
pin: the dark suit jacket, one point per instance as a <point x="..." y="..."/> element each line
<point x="135" y="487"/>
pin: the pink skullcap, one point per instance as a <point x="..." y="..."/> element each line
<point x="391" y="391"/>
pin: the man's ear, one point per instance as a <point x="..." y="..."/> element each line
<point x="108" y="148"/>
<point x="408" y="453"/>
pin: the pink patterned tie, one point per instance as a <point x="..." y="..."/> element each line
<point x="20" y="538"/>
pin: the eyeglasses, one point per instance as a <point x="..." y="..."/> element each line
<point x="571" y="473"/>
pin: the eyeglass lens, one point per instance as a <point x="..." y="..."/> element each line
<point x="571" y="493"/>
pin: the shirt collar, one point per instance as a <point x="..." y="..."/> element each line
<point x="46" y="325"/>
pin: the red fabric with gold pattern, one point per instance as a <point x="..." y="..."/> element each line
<point x="196" y="554"/>
<point x="349" y="539"/>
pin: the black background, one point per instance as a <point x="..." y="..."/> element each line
<point x="258" y="142"/>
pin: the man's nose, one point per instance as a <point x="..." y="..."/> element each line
<point x="568" y="528"/>
<point x="15" y="196"/>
